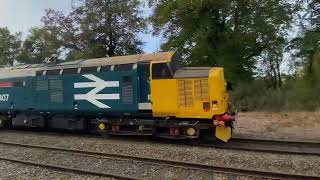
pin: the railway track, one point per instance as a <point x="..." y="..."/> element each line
<point x="69" y="169"/>
<point x="254" y="145"/>
<point x="270" y="146"/>
<point x="150" y="161"/>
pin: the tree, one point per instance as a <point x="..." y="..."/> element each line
<point x="271" y="60"/>
<point x="308" y="42"/>
<point x="41" y="46"/>
<point x="229" y="33"/>
<point x="9" y="47"/>
<point x="98" y="28"/>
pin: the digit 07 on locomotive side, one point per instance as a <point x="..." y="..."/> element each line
<point x="128" y="95"/>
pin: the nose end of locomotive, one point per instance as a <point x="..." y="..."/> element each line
<point x="223" y="126"/>
<point x="223" y="133"/>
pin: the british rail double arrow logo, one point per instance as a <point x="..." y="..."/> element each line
<point x="98" y="85"/>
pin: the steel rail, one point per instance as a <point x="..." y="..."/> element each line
<point x="68" y="169"/>
<point x="253" y="145"/>
<point x="167" y="163"/>
<point x="279" y="141"/>
<point x="271" y="146"/>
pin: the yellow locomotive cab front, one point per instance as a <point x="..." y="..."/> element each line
<point x="192" y="96"/>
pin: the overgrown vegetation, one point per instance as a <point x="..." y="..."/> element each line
<point x="297" y="94"/>
<point x="271" y="67"/>
<point x="249" y="39"/>
<point x="294" y="96"/>
<point x="228" y="33"/>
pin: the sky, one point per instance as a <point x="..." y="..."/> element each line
<point x="21" y="15"/>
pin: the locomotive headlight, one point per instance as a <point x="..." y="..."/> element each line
<point x="216" y="123"/>
<point x="102" y="126"/>
<point x="191" y="131"/>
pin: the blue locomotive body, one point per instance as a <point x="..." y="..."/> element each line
<point x="51" y="96"/>
<point x="98" y="92"/>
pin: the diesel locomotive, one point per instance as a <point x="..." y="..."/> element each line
<point x="145" y="94"/>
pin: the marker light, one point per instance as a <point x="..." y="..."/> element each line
<point x="102" y="126"/>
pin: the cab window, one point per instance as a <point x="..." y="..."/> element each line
<point x="39" y="73"/>
<point x="105" y="68"/>
<point x="70" y="71"/>
<point x="55" y="72"/>
<point x="89" y="70"/>
<point x="123" y="67"/>
<point x="161" y="71"/>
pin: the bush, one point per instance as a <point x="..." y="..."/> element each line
<point x="294" y="96"/>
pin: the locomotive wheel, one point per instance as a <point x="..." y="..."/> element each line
<point x="3" y="122"/>
<point x="205" y="136"/>
<point x="103" y="130"/>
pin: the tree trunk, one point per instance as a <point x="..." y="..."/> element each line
<point x="279" y="84"/>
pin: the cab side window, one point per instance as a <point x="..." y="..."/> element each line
<point x="105" y="69"/>
<point x="55" y="72"/>
<point x="123" y="67"/>
<point x="88" y="70"/>
<point x="70" y="71"/>
<point x="161" y="71"/>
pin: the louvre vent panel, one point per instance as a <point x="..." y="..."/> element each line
<point x="201" y="90"/>
<point x="56" y="85"/>
<point x="55" y="90"/>
<point x="181" y="94"/>
<point x="56" y="97"/>
<point x="188" y="91"/>
<point x="127" y="90"/>
<point x="197" y="89"/>
<point x="42" y="85"/>
<point x="204" y="90"/>
<point x="127" y="94"/>
<point x="185" y="93"/>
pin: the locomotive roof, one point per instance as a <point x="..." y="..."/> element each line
<point x="193" y="72"/>
<point x="31" y="69"/>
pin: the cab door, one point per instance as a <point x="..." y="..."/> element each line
<point x="163" y="90"/>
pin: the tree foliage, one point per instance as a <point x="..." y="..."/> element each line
<point x="310" y="52"/>
<point x="229" y="33"/>
<point x="9" y="47"/>
<point x="300" y="91"/>
<point x="249" y="38"/>
<point x="270" y="62"/>
<point x="308" y="42"/>
<point x="98" y="28"/>
<point x="41" y="46"/>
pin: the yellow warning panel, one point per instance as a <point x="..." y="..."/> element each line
<point x="223" y="133"/>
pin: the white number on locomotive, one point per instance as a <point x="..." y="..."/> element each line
<point x="4" y="97"/>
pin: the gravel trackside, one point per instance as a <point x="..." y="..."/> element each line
<point x="129" y="168"/>
<point x="290" y="126"/>
<point x="297" y="164"/>
<point x="12" y="171"/>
